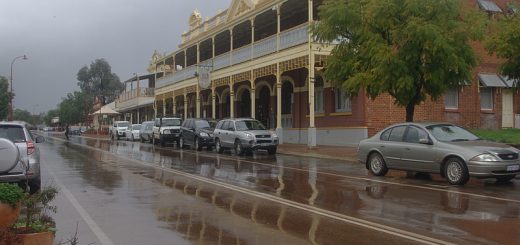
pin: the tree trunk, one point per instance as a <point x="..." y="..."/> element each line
<point x="410" y="108"/>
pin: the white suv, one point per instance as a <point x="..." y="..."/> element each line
<point x="19" y="156"/>
<point x="118" y="128"/>
<point x="167" y="130"/>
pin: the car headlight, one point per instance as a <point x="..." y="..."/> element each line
<point x="204" y="134"/>
<point x="485" y="158"/>
<point x="166" y="131"/>
<point x="249" y="135"/>
<point x="274" y="135"/>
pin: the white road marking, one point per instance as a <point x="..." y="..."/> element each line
<point x="103" y="238"/>
<point x="326" y="213"/>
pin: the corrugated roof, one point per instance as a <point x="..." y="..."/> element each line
<point x="489" y="6"/>
<point x="491" y="80"/>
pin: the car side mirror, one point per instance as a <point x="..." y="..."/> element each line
<point x="40" y="139"/>
<point x="425" y="141"/>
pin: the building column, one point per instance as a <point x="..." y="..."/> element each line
<point x="155" y="108"/>
<point x="174" y="107"/>
<point x="197" y="102"/>
<point x="311" y="132"/>
<point x="213" y="105"/>
<point x="185" y="106"/>
<point x="163" y="106"/>
<point x="253" y="100"/>
<point x="231" y="101"/>
<point x="279" y="129"/>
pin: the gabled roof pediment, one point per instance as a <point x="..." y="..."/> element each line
<point x="240" y="7"/>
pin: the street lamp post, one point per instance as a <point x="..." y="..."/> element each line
<point x="11" y="95"/>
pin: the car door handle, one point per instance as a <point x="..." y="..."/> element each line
<point x="381" y="146"/>
<point x="407" y="148"/>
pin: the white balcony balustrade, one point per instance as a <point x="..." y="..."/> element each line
<point x="295" y="36"/>
<point x="265" y="47"/>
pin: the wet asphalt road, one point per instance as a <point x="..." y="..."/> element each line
<point x="134" y="193"/>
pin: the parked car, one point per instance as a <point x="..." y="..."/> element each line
<point x="20" y="161"/>
<point x="442" y="148"/>
<point x="118" y="128"/>
<point x="146" y="131"/>
<point x="132" y="132"/>
<point x="244" y="134"/>
<point x="197" y="133"/>
<point x="167" y="130"/>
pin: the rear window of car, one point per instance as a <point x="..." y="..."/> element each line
<point x="385" y="135"/>
<point x="12" y="132"/>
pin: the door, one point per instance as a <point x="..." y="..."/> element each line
<point x="416" y="155"/>
<point x="507" y="109"/>
<point x="392" y="147"/>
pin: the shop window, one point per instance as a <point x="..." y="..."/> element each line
<point x="486" y="98"/>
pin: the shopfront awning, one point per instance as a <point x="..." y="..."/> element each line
<point x="491" y="80"/>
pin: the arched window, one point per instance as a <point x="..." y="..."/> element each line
<point x="343" y="101"/>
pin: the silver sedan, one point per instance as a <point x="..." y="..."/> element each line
<point x="442" y="148"/>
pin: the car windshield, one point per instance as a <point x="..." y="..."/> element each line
<point x="202" y="124"/>
<point x="451" y="133"/>
<point x="136" y="127"/>
<point x="14" y="133"/>
<point x="123" y="125"/>
<point x="171" y="122"/>
<point x="249" y="125"/>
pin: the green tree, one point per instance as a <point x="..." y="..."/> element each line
<point x="50" y="114"/>
<point x="410" y="49"/>
<point x="26" y="116"/>
<point x="505" y="43"/>
<point x="97" y="80"/>
<point x="72" y="108"/>
<point x="4" y="97"/>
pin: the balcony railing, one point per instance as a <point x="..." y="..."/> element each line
<point x="139" y="92"/>
<point x="287" y="39"/>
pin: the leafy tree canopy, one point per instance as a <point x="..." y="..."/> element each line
<point x="505" y="43"/>
<point x="410" y="49"/>
<point x="98" y="80"/>
<point x="71" y="110"/>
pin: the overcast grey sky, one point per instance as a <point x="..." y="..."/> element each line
<point x="61" y="36"/>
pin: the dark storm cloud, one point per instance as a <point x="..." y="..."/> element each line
<point x="61" y="36"/>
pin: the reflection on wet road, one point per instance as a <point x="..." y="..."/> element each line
<point x="198" y="211"/>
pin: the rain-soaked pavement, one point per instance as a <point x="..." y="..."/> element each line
<point x="134" y="193"/>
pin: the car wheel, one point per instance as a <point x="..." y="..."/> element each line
<point x="456" y="171"/>
<point x="506" y="178"/>
<point x="181" y="142"/>
<point x="35" y="185"/>
<point x="238" y="148"/>
<point x="271" y="151"/>
<point x="197" y="144"/>
<point x="377" y="164"/>
<point x="218" y="146"/>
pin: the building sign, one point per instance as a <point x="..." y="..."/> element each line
<point x="204" y="78"/>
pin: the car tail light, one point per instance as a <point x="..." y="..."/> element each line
<point x="30" y="148"/>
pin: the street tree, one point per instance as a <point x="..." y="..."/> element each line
<point x="97" y="80"/>
<point x="4" y="97"/>
<point x="410" y="49"/>
<point x="72" y="108"/>
<point x="505" y="43"/>
<point x="26" y="116"/>
<point x="50" y="115"/>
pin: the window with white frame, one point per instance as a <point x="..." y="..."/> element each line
<point x="343" y="100"/>
<point x="486" y="98"/>
<point x="318" y="94"/>
<point x="451" y="99"/>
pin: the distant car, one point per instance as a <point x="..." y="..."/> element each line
<point x="244" y="134"/>
<point x="167" y="130"/>
<point x="118" y="128"/>
<point x="21" y="161"/>
<point x="442" y="148"/>
<point x="132" y="132"/>
<point x="197" y="133"/>
<point x="146" y="131"/>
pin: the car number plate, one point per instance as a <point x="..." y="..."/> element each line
<point x="513" y="167"/>
<point x="264" y="144"/>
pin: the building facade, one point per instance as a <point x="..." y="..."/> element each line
<point x="135" y="103"/>
<point x="257" y="59"/>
